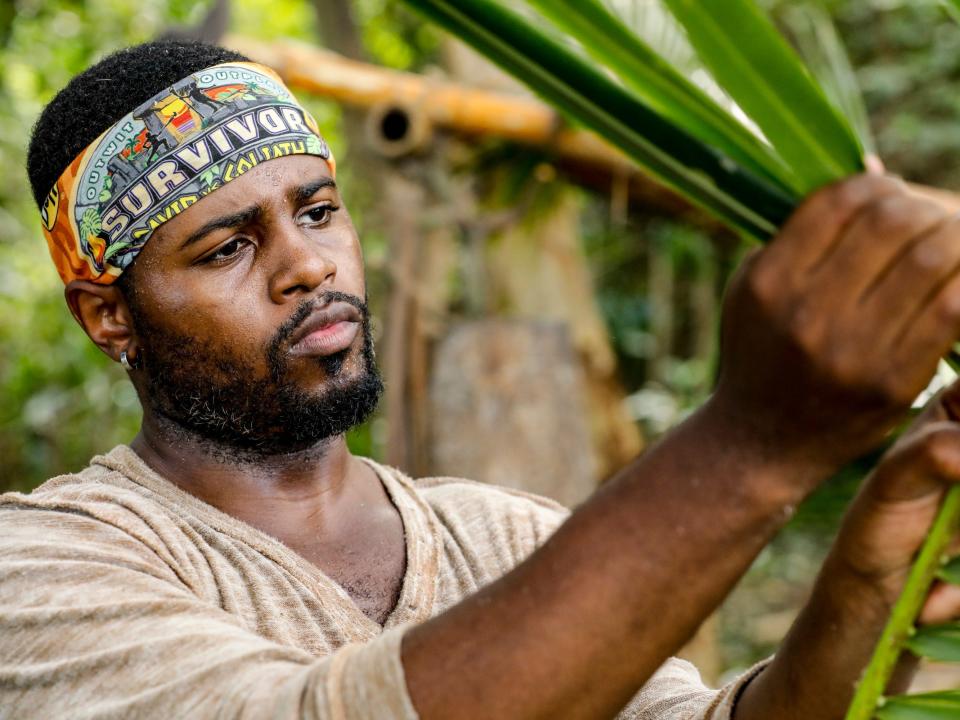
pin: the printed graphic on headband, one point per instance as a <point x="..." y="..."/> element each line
<point x="168" y="153"/>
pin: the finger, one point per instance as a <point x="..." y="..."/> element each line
<point x="919" y="468"/>
<point x="942" y="604"/>
<point x="949" y="201"/>
<point x="928" y="335"/>
<point x="910" y="289"/>
<point x="949" y="400"/>
<point x="874" y="164"/>
<point x="810" y="232"/>
<point x="874" y="243"/>
<point x="897" y="505"/>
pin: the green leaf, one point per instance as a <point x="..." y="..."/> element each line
<point x="756" y="67"/>
<point x="953" y="360"/>
<point x="609" y="41"/>
<point x="703" y="174"/>
<point x="937" y="642"/>
<point x="826" y="57"/>
<point x="951" y="571"/>
<point x="943" y="705"/>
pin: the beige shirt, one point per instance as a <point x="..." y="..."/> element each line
<point x="121" y="596"/>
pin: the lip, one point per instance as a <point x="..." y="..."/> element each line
<point x="327" y="331"/>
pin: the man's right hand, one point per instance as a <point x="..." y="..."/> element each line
<point x="832" y="331"/>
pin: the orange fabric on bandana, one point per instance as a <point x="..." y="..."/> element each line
<point x="168" y="153"/>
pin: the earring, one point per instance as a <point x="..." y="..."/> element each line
<point x="125" y="361"/>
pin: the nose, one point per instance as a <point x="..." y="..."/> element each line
<point x="300" y="264"/>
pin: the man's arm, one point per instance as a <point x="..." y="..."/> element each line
<point x="828" y="335"/>
<point x="816" y="671"/>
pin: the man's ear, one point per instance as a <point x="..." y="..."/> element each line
<point x="103" y="313"/>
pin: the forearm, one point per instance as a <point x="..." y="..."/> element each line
<point x="816" y="670"/>
<point x="585" y="621"/>
<point x="820" y="661"/>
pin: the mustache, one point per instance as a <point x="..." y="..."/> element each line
<point x="307" y="307"/>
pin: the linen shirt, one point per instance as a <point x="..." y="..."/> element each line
<point x="122" y="596"/>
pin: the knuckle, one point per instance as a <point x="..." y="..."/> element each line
<point x="895" y="391"/>
<point x="846" y="196"/>
<point x="804" y="329"/>
<point x="938" y="448"/>
<point x="887" y="213"/>
<point x="928" y="255"/>
<point x="845" y="366"/>
<point x="761" y="281"/>
<point x="947" y="306"/>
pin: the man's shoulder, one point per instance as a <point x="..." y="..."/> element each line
<point x="500" y="523"/>
<point x="471" y="496"/>
<point x="98" y="502"/>
<point x="100" y="478"/>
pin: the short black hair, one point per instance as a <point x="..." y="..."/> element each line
<point x="101" y="95"/>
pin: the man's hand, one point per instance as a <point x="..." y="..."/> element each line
<point x="814" y="673"/>
<point x="887" y="524"/>
<point x="832" y="331"/>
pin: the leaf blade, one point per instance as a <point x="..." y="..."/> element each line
<point x="609" y="41"/>
<point x="734" y="40"/>
<point x="825" y="55"/>
<point x="936" y="642"/>
<point x="950" y="572"/>
<point x="926" y="706"/>
<point x="679" y="160"/>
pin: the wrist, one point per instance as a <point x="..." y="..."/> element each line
<point x="820" y="661"/>
<point x="783" y="465"/>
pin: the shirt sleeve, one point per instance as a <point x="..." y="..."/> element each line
<point x="94" y="624"/>
<point x="677" y="692"/>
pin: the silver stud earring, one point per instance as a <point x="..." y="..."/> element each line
<point x="125" y="361"/>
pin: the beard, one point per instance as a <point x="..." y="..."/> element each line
<point x="203" y="389"/>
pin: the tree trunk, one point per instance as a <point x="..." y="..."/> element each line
<point x="510" y="399"/>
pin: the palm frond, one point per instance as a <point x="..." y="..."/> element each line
<point x="759" y="70"/>
<point x="704" y="174"/>
<point x="826" y="57"/>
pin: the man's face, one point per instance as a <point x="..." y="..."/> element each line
<point x="250" y="315"/>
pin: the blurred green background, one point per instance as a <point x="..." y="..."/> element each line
<point x="62" y="401"/>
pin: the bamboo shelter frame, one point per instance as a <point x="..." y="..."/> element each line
<point x="431" y="104"/>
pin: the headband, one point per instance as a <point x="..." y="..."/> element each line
<point x="183" y="143"/>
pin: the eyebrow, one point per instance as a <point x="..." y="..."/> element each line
<point x="248" y="215"/>
<point x="237" y="219"/>
<point x="307" y="190"/>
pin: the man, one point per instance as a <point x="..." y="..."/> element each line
<point x="236" y="561"/>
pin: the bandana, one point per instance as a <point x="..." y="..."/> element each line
<point x="185" y="142"/>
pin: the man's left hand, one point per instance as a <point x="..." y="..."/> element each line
<point x="816" y="670"/>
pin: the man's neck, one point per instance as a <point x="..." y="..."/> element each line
<point x="322" y="502"/>
<point x="321" y="486"/>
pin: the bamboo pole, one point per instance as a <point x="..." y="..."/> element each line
<point x="435" y="103"/>
<point x="445" y="104"/>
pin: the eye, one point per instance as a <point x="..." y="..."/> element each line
<point x="317" y="215"/>
<point x="226" y="251"/>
